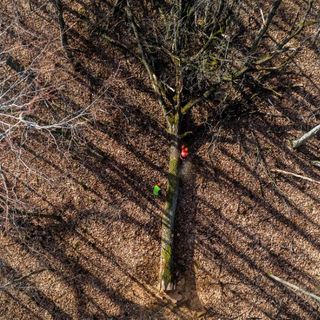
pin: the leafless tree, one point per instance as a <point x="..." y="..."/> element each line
<point x="192" y="51"/>
<point x="31" y="103"/>
<point x="196" y="51"/>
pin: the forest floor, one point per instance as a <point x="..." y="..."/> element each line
<point x="87" y="243"/>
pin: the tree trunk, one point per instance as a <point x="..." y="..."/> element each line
<point x="166" y="259"/>
<point x="297" y="143"/>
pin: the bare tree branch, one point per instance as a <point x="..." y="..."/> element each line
<point x="295" y="287"/>
<point x="156" y="84"/>
<point x="295" y="175"/>
<point x="297" y="143"/>
<point x="20" y="279"/>
<point x="266" y="25"/>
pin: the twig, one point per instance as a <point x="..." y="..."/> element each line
<point x="22" y="278"/>
<point x="299" y="29"/>
<point x="294" y="287"/>
<point x="295" y="175"/>
<point x="266" y="25"/>
<point x="195" y="101"/>
<point x="7" y="197"/>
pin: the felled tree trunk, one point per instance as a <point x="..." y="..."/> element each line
<point x="166" y="259"/>
<point x="297" y="143"/>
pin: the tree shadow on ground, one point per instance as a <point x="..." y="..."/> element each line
<point x="220" y="250"/>
<point x="70" y="264"/>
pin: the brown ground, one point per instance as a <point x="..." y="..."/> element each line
<point x="91" y="227"/>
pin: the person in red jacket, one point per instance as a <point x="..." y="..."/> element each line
<point x="184" y="152"/>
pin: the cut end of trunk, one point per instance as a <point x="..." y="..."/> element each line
<point x="294" y="144"/>
<point x="166" y="286"/>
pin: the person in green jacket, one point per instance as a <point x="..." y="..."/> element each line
<point x="156" y="190"/>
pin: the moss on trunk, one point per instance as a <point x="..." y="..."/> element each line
<point x="166" y="260"/>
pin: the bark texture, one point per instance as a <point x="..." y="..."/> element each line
<point x="166" y="258"/>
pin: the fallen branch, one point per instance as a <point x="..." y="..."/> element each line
<point x="6" y="197"/>
<point x="295" y="175"/>
<point x="316" y="163"/>
<point x="294" y="287"/>
<point x="297" y="143"/>
<point x="266" y="25"/>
